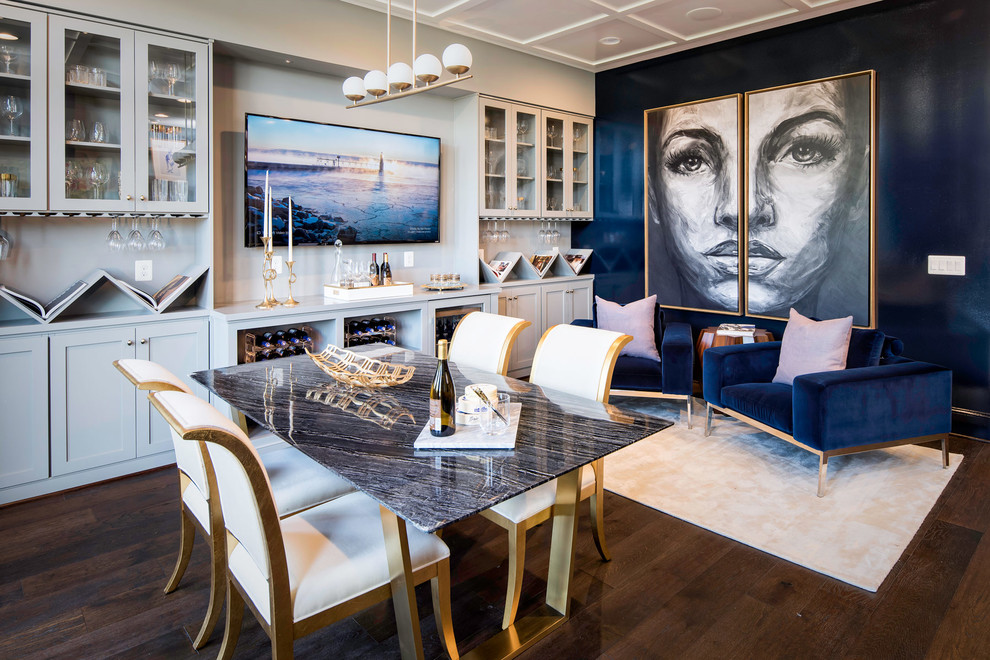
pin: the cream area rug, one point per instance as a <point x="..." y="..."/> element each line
<point x="760" y="490"/>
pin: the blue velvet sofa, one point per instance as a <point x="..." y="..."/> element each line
<point x="670" y="378"/>
<point x="880" y="400"/>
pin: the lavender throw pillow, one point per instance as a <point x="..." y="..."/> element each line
<point x="636" y="319"/>
<point x="812" y="346"/>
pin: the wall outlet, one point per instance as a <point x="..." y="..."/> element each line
<point x="142" y="271"/>
<point x="939" y="264"/>
<point x="408" y="259"/>
<point x="277" y="264"/>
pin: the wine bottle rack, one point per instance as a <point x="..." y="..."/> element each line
<point x="274" y="343"/>
<point x="370" y="330"/>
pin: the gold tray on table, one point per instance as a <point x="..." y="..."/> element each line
<point x="353" y="369"/>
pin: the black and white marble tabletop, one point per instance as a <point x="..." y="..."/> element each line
<point x="366" y="435"/>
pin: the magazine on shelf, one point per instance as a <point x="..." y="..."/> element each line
<point x="160" y="300"/>
<point x="576" y="258"/>
<point x="45" y="312"/>
<point x="499" y="268"/>
<point x="542" y="261"/>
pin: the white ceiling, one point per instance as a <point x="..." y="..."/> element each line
<point x="569" y="31"/>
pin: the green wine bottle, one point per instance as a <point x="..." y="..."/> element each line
<point x="442" y="411"/>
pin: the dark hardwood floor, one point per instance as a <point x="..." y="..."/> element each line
<point x="81" y="576"/>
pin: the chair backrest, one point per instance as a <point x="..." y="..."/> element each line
<point x="484" y="341"/>
<point x="577" y="360"/>
<point x="246" y="499"/>
<point x="147" y="375"/>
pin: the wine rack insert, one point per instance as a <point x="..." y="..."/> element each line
<point x="274" y="343"/>
<point x="370" y="330"/>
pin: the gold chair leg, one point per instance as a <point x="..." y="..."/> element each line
<point x="945" y="453"/>
<point x="690" y="406"/>
<point x="440" y="586"/>
<point x="822" y="469"/>
<point x="708" y="420"/>
<point x="517" y="562"/>
<point x="232" y="627"/>
<point x="187" y="534"/>
<point x="282" y="642"/>
<point x="597" y="504"/>
<point x="218" y="574"/>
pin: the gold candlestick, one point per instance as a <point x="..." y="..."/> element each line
<point x="268" y="274"/>
<point x="291" y="302"/>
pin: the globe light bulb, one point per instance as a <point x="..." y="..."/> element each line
<point x="376" y="82"/>
<point x="427" y="68"/>
<point x="457" y="59"/>
<point x="354" y="89"/>
<point x="400" y="76"/>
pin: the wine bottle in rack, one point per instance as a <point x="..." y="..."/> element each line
<point x="442" y="421"/>
<point x="386" y="277"/>
<point x="373" y="272"/>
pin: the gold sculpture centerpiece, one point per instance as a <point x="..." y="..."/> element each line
<point x="352" y="369"/>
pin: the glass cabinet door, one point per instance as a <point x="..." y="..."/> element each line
<point x="91" y="128"/>
<point x="23" y="110"/>
<point x="494" y="180"/>
<point x="172" y="157"/>
<point x="526" y="193"/>
<point x="569" y="160"/>
<point x="580" y="172"/>
<point x="553" y="178"/>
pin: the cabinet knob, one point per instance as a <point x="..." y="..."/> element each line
<point x="129" y="198"/>
<point x="141" y="198"/>
<point x="569" y="291"/>
<point x="143" y="341"/>
<point x="130" y="342"/>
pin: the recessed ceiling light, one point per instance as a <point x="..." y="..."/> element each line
<point x="704" y="13"/>
<point x="288" y="61"/>
<point x="7" y="36"/>
<point x="610" y="41"/>
<point x="161" y="115"/>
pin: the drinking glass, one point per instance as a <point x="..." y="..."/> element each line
<point x="492" y="161"/>
<point x="77" y="131"/>
<point x="12" y="109"/>
<point x="486" y="235"/>
<point x="543" y="233"/>
<point x="154" y="72"/>
<point x="9" y="56"/>
<point x="98" y="77"/>
<point x="135" y="241"/>
<point x="551" y="135"/>
<point x="173" y="73"/>
<point x="554" y="235"/>
<point x="522" y="128"/>
<point x="99" y="133"/>
<point x="99" y="176"/>
<point x="504" y="234"/>
<point x="496" y="417"/>
<point x="115" y="242"/>
<point x="4" y="245"/>
<point x="156" y="242"/>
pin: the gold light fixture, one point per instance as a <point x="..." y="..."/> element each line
<point x="402" y="79"/>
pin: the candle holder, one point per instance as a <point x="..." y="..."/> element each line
<point x="268" y="274"/>
<point x="291" y="302"/>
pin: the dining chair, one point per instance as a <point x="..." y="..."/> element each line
<point x="578" y="361"/>
<point x="298" y="481"/>
<point x="484" y="341"/>
<point x="306" y="571"/>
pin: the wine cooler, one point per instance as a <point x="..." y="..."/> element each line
<point x="271" y="344"/>
<point x="446" y="320"/>
<point x="371" y="330"/>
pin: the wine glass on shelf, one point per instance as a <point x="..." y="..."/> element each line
<point x="115" y="242"/>
<point x="8" y="56"/>
<point x="135" y="241"/>
<point x="551" y="135"/>
<point x="99" y="176"/>
<point x="543" y="232"/>
<point x="156" y="242"/>
<point x="486" y="233"/>
<point x="77" y="131"/>
<point x="12" y="109"/>
<point x="173" y="73"/>
<point x="554" y="235"/>
<point x="504" y="234"/>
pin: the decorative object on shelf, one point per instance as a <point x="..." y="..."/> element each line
<point x="444" y="282"/>
<point x="400" y="81"/>
<point x="290" y="262"/>
<point x="12" y="109"/>
<point x="8" y="184"/>
<point x="352" y="369"/>
<point x="268" y="273"/>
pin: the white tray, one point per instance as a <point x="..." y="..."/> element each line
<point x="331" y="292"/>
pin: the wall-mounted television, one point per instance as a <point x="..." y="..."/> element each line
<point x="357" y="185"/>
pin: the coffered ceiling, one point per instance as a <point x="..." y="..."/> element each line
<point x="596" y="35"/>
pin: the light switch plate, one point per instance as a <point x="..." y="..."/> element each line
<point x="408" y="259"/>
<point x="277" y="264"/>
<point x="142" y="270"/>
<point x="940" y="264"/>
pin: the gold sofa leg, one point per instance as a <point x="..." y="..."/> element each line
<point x="690" y="407"/>
<point x="822" y="469"/>
<point x="945" y="452"/>
<point x="708" y="420"/>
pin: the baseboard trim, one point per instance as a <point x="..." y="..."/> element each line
<point x="972" y="424"/>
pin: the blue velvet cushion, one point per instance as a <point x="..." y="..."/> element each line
<point x="864" y="348"/>
<point x="636" y="373"/>
<point x="770" y="403"/>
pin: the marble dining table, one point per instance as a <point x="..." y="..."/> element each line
<point x="366" y="436"/>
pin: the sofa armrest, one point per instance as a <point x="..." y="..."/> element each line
<point x="733" y="365"/>
<point x="677" y="359"/>
<point x="584" y="323"/>
<point x="871" y="405"/>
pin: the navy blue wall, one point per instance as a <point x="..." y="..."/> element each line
<point x="933" y="162"/>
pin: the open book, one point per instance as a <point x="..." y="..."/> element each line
<point x="45" y="312"/>
<point x="542" y="261"/>
<point x="499" y="268"/>
<point x="576" y="258"/>
<point x="166" y="295"/>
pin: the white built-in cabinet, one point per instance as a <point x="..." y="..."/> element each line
<point x="24" y="406"/>
<point x="128" y="120"/>
<point x="565" y="301"/>
<point x="535" y="162"/>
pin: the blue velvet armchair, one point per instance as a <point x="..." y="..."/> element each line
<point x="879" y="400"/>
<point x="670" y="378"/>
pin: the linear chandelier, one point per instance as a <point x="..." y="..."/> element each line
<point x="403" y="80"/>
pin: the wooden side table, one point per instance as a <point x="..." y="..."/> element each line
<point x="708" y="338"/>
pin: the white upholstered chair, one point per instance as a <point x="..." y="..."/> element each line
<point x="578" y="361"/>
<point x="484" y="341"/>
<point x="300" y="573"/>
<point x="298" y="481"/>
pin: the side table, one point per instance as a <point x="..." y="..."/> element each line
<point x="709" y="337"/>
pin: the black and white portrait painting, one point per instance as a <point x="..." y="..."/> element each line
<point x="692" y="204"/>
<point x="809" y="211"/>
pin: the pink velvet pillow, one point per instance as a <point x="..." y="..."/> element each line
<point x="636" y="319"/>
<point x="808" y="347"/>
